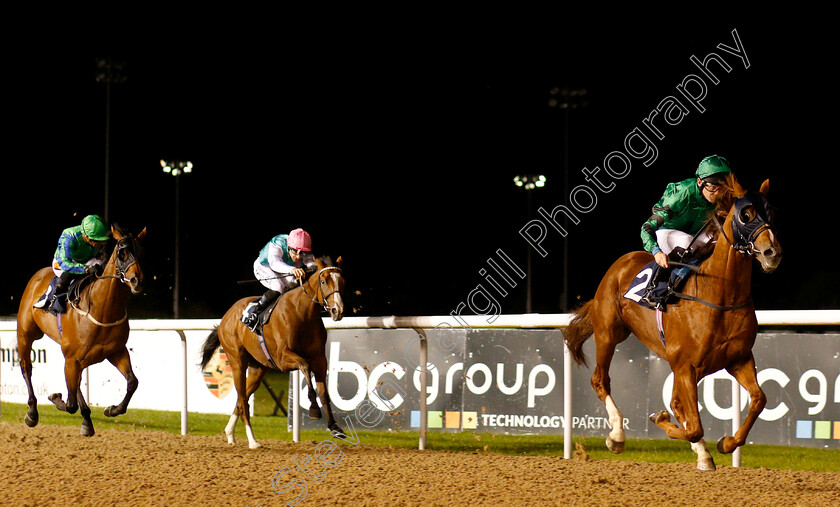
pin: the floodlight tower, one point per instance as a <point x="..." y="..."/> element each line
<point x="177" y="169"/>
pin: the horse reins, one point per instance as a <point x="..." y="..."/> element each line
<point x="324" y="297"/>
<point x="121" y="266"/>
<point x="744" y="245"/>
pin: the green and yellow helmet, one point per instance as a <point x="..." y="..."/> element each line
<point x="713" y="165"/>
<point x="94" y="227"/>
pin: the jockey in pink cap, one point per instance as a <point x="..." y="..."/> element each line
<point x="281" y="266"/>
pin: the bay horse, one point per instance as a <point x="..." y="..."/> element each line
<point x="699" y="339"/>
<point x="94" y="328"/>
<point x="294" y="337"/>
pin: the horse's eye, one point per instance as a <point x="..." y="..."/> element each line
<point x="747" y="214"/>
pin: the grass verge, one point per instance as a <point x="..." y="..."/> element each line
<point x="271" y="427"/>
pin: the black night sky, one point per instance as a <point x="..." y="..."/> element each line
<point x="397" y="151"/>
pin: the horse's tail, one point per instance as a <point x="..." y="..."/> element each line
<point x="210" y="346"/>
<point x="579" y="330"/>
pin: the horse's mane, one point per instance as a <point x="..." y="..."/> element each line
<point x="326" y="260"/>
<point x="731" y="190"/>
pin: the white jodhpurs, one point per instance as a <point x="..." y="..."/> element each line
<point x="668" y="239"/>
<point x="272" y="279"/>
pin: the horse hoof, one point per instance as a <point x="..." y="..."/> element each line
<point x="706" y="465"/>
<point x="615" y="447"/>
<point x="112" y="411"/>
<point x="254" y="445"/>
<point x="54" y="396"/>
<point x="87" y="431"/>
<point x="657" y="417"/>
<point x="337" y="432"/>
<point x="31" y="421"/>
<point x="314" y="413"/>
<point x="720" y="447"/>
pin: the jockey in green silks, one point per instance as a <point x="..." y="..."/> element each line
<point x="78" y="253"/>
<point x="681" y="213"/>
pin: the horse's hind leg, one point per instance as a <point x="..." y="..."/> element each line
<point x="25" y="340"/>
<point x="238" y="367"/>
<point x="745" y="374"/>
<point x="87" y="425"/>
<point x="122" y="362"/>
<point x="605" y="343"/>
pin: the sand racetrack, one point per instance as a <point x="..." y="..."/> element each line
<point x="54" y="465"/>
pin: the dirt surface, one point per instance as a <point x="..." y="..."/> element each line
<point x="54" y="465"/>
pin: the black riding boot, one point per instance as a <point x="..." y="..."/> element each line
<point x="251" y="313"/>
<point x="60" y="288"/>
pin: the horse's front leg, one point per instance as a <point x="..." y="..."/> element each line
<point x="73" y="378"/>
<point x="122" y="362"/>
<point x="745" y="374"/>
<point x="685" y="408"/>
<point x="319" y="371"/>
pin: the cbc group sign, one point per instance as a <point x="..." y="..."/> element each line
<point x="511" y="381"/>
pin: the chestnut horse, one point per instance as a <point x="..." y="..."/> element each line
<point x="700" y="339"/>
<point x="94" y="328"/>
<point x="294" y="337"/>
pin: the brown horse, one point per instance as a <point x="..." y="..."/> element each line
<point x="295" y="338"/>
<point x="94" y="328"/>
<point x="700" y="339"/>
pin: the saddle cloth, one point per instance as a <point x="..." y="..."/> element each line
<point x="59" y="306"/>
<point x="641" y="282"/>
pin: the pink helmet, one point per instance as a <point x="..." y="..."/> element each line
<point x="300" y="240"/>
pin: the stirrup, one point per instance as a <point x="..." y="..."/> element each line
<point x="249" y="314"/>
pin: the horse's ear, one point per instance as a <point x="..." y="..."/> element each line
<point x="339" y="261"/>
<point x="116" y="233"/>
<point x="142" y="234"/>
<point x="765" y="187"/>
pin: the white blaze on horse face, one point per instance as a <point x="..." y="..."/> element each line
<point x="337" y="308"/>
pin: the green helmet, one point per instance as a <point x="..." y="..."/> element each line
<point x="713" y="165"/>
<point x="94" y="227"/>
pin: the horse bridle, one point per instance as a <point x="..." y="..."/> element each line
<point x="121" y="266"/>
<point x="323" y="296"/>
<point x="744" y="232"/>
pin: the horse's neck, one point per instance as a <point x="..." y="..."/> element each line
<point x="108" y="294"/>
<point x="727" y="273"/>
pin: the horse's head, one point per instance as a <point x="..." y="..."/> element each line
<point x="753" y="228"/>
<point x="126" y="258"/>
<point x="330" y="287"/>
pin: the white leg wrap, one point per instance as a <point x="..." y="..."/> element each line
<point x="231" y="426"/>
<point x="252" y="442"/>
<point x="616" y="420"/>
<point x="704" y="458"/>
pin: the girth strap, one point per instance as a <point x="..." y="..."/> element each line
<point x="265" y="351"/>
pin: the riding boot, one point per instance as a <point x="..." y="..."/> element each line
<point x="251" y="313"/>
<point x="652" y="296"/>
<point x="49" y="302"/>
